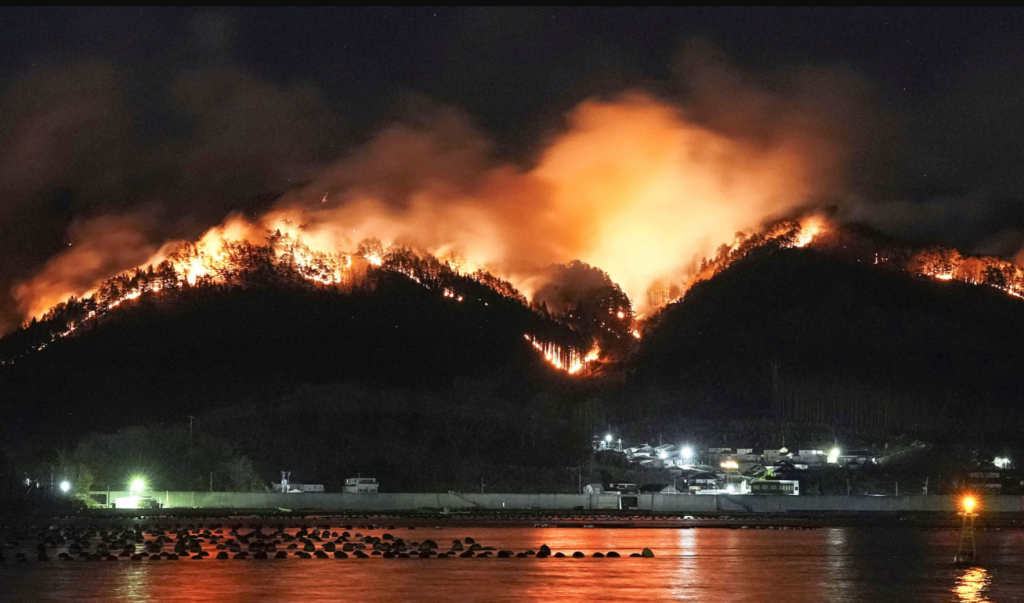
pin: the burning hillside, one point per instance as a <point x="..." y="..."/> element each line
<point x="950" y="265"/>
<point x="277" y="250"/>
<point x="274" y="249"/>
<point x="633" y="185"/>
<point x="233" y="257"/>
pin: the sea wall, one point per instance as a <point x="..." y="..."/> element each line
<point x="664" y="503"/>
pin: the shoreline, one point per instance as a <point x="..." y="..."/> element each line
<point x="537" y="519"/>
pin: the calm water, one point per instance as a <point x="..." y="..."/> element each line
<point x="708" y="565"/>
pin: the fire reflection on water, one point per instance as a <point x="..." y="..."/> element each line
<point x="972" y="585"/>
<point x="838" y="565"/>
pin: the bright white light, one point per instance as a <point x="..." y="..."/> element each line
<point x="126" y="502"/>
<point x="833" y="456"/>
<point x="663" y="455"/>
<point x="608" y="438"/>
<point x="137" y="485"/>
<point x="687" y="452"/>
<point x="1002" y="462"/>
<point x="65" y="486"/>
<point x="731" y="489"/>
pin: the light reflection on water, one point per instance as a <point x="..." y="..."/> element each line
<point x="972" y="584"/>
<point x="708" y="565"/>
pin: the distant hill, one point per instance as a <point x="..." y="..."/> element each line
<point x="163" y="358"/>
<point x="818" y="336"/>
<point x="423" y="377"/>
<point x="843" y="334"/>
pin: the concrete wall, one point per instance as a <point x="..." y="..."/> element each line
<point x="663" y="503"/>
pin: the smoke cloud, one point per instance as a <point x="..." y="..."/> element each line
<point x="100" y="247"/>
<point x="639" y="186"/>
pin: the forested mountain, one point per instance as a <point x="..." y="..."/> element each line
<point x="420" y="375"/>
<point x="209" y="347"/>
<point x="806" y="335"/>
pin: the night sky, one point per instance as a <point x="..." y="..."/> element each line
<point x="148" y="112"/>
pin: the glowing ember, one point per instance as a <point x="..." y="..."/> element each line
<point x="568" y="360"/>
<point x="809" y="229"/>
<point x="950" y="265"/>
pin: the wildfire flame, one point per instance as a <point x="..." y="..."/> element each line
<point x="950" y="265"/>
<point x="222" y="253"/>
<point x="569" y="360"/>
<point x="810" y="228"/>
<point x="632" y="186"/>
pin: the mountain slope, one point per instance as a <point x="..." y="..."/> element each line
<point x="207" y="347"/>
<point x="800" y="334"/>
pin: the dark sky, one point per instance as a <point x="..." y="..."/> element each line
<point x="149" y="112"/>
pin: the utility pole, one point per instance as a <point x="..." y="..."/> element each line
<point x="897" y="488"/>
<point x="926" y="486"/>
<point x="211" y="481"/>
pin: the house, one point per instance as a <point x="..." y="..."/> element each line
<point x="856" y="457"/>
<point x="622" y="488"/>
<point x="295" y="487"/>
<point x="772" y="457"/>
<point x="361" y="485"/>
<point x="637" y="453"/>
<point x="667" y="451"/>
<point x="696" y="480"/>
<point x="811" y="457"/>
<point x="775" y="487"/>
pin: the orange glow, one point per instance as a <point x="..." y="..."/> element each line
<point x="971" y="586"/>
<point x="968" y="503"/>
<point x="810" y="228"/>
<point x="950" y="265"/>
<point x="569" y="360"/>
<point x="631" y="185"/>
<point x="786" y="234"/>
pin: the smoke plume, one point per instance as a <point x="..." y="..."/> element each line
<point x="637" y="185"/>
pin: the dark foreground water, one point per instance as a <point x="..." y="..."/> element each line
<point x="704" y="564"/>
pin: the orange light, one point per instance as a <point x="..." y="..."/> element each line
<point x="969" y="503"/>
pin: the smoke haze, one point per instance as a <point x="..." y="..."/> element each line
<point x="103" y="165"/>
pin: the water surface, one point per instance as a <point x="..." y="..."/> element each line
<point x="707" y="565"/>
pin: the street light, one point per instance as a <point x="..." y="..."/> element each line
<point x="967" y="551"/>
<point x="65" y="486"/>
<point x="687" y="453"/>
<point x="608" y="438"/>
<point x="833" y="456"/>
<point x="137" y="484"/>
